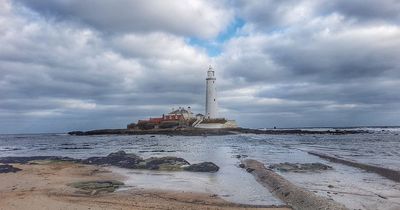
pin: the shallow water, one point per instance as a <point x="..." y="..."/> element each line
<point x="353" y="187"/>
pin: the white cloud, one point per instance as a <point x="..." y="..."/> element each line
<point x="77" y="104"/>
<point x="204" y="19"/>
<point x="293" y="62"/>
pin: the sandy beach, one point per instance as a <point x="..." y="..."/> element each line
<point x="45" y="185"/>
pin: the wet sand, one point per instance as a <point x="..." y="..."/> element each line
<point x="45" y="186"/>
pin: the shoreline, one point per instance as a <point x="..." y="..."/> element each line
<point x="212" y="132"/>
<point x="47" y="185"/>
<point x="67" y="183"/>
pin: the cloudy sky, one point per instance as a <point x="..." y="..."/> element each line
<point x="78" y="65"/>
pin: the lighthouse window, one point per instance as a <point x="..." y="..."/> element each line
<point x="214" y="99"/>
<point x="213" y="82"/>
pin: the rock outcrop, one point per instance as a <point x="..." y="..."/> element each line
<point x="8" y="169"/>
<point x="165" y="163"/>
<point x="149" y="130"/>
<point x="25" y="160"/>
<point x="95" y="187"/>
<point x="202" y="167"/>
<point x="125" y="160"/>
<point x="120" y="159"/>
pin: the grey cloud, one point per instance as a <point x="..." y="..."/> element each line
<point x="376" y="93"/>
<point x="326" y="69"/>
<point x="338" y="60"/>
<point x="203" y="19"/>
<point x="67" y="65"/>
<point x="269" y="14"/>
<point x="272" y="15"/>
<point x="364" y="10"/>
<point x="54" y="73"/>
<point x="330" y="57"/>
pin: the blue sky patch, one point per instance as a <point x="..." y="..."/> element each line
<point x="213" y="46"/>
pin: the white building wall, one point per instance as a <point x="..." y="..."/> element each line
<point x="211" y="95"/>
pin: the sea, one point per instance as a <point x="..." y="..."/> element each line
<point x="355" y="188"/>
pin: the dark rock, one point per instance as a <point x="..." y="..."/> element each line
<point x="240" y="156"/>
<point x="203" y="167"/>
<point x="25" y="160"/>
<point x="330" y="186"/>
<point x="76" y="133"/>
<point x="381" y="196"/>
<point x="120" y="158"/>
<point x="164" y="163"/>
<point x="125" y="160"/>
<point x="95" y="187"/>
<point x="8" y="169"/>
<point x="241" y="165"/>
<point x="300" y="167"/>
<point x="76" y="148"/>
<point x="67" y="144"/>
<point x="123" y="154"/>
<point x="160" y="150"/>
<point x="249" y="170"/>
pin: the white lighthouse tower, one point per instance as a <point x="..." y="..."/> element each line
<point x="211" y="95"/>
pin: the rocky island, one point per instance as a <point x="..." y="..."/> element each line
<point x="211" y="131"/>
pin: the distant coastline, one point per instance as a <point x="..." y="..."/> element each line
<point x="211" y="132"/>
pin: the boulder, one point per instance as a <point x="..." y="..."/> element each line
<point x="8" y="169"/>
<point x="164" y="163"/>
<point x="249" y="170"/>
<point x="120" y="158"/>
<point x="202" y="167"/>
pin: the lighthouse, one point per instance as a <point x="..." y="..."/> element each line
<point x="211" y="95"/>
